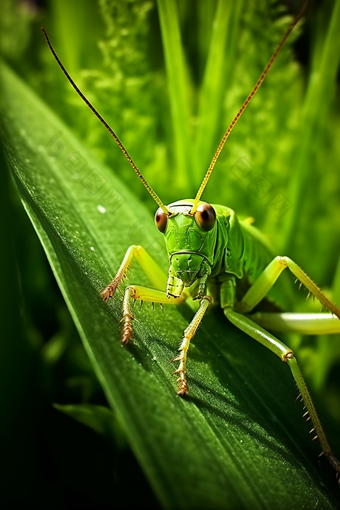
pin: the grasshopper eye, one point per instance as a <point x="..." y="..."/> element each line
<point x="161" y="220"/>
<point x="205" y="217"/>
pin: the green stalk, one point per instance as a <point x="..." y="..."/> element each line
<point x="219" y="61"/>
<point x="178" y="90"/>
<point x="319" y="95"/>
<point x="69" y="32"/>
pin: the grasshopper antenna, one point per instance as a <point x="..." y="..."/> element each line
<point x="244" y="106"/>
<point x="105" y="124"/>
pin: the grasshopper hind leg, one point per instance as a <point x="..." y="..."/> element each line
<point x="286" y="355"/>
<point x="304" y="323"/>
<point x="268" y="277"/>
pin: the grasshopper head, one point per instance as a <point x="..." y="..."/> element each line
<point x="190" y="240"/>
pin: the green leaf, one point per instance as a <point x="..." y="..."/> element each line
<point x="237" y="441"/>
<point x="178" y="89"/>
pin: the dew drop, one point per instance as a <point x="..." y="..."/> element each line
<point x="101" y="209"/>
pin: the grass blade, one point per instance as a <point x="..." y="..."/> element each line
<point x="178" y="90"/>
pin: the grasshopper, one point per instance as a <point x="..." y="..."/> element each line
<point x="214" y="257"/>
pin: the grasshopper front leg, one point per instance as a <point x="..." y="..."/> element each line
<point x="145" y="294"/>
<point x="137" y="292"/>
<point x="155" y="274"/>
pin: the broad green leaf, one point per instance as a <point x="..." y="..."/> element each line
<point x="237" y="441"/>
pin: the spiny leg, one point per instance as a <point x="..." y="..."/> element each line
<point x="269" y="276"/>
<point x="128" y="317"/>
<point x="157" y="277"/>
<point x="286" y="355"/>
<point x="137" y="292"/>
<point x="188" y="334"/>
<point x="303" y="323"/>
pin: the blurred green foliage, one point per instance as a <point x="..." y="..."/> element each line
<point x="114" y="51"/>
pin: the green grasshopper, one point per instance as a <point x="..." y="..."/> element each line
<point x="214" y="257"/>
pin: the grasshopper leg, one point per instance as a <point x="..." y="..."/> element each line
<point x="137" y="292"/>
<point x="188" y="334"/>
<point x="157" y="277"/>
<point x="268" y="277"/>
<point x="286" y="354"/>
<point x="157" y="296"/>
<point x="303" y="323"/>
